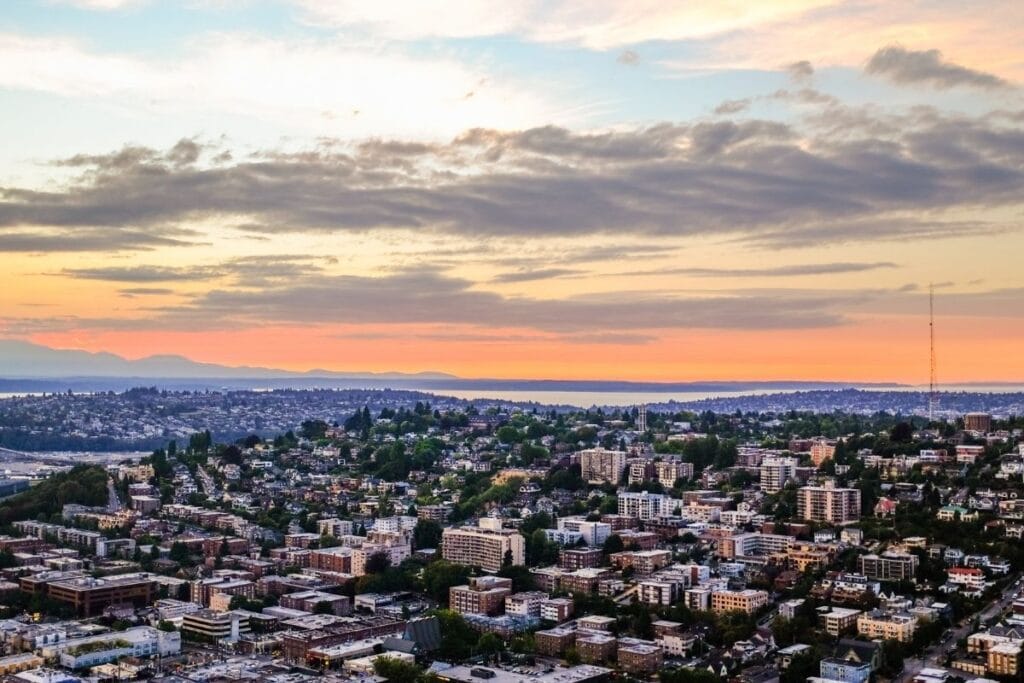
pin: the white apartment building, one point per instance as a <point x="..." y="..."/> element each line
<point x="775" y="472"/>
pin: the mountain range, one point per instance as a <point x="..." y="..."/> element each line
<point x="25" y="360"/>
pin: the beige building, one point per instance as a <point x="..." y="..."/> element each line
<point x="746" y="600"/>
<point x="600" y="466"/>
<point x="838" y="620"/>
<point x="877" y="625"/>
<point x="828" y="503"/>
<point x="484" y="548"/>
<point x="1004" y="659"/>
<point x="821" y="451"/>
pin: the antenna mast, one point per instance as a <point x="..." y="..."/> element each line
<point x="933" y="397"/>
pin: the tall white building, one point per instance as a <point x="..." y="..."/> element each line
<point x="592" y="533"/>
<point x="645" y="506"/>
<point x="775" y="472"/>
<point x="828" y="503"/>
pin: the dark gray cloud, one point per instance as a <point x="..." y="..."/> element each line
<point x="246" y="271"/>
<point x="427" y="297"/>
<point x="773" y="271"/>
<point x="90" y="238"/>
<point x="732" y="107"/>
<point x="800" y="71"/>
<point x="144" y="291"/>
<point x="904" y="66"/>
<point x="142" y="274"/>
<point x="851" y="176"/>
<point x="531" y="275"/>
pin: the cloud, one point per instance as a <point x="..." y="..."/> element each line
<point x="733" y="106"/>
<point x="85" y="239"/>
<point x="141" y="274"/>
<point x="775" y="271"/>
<point x="800" y="71"/>
<point x="532" y="275"/>
<point x="423" y="296"/>
<point x="144" y="291"/>
<point x="628" y="57"/>
<point x="909" y="67"/>
<point x="100" y="5"/>
<point x="302" y="83"/>
<point x="245" y="271"/>
<point x="850" y="175"/>
<point x="597" y="24"/>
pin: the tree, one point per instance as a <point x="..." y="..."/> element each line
<point x="490" y="644"/>
<point x="314" y="429"/>
<point x="457" y="636"/>
<point x="232" y="455"/>
<point x="179" y="553"/>
<point x="686" y="675"/>
<point x="377" y="563"/>
<point x="612" y="544"/>
<point x="426" y="534"/>
<point x="902" y="432"/>
<point x="395" y="670"/>
<point x="441" y="575"/>
<point x="522" y="579"/>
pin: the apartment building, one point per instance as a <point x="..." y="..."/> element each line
<point x="435" y="513"/>
<point x="753" y="545"/>
<point x="601" y="466"/>
<point x="525" y="603"/>
<point x="822" y="450"/>
<point x="978" y="422"/>
<point x="592" y="533"/>
<point x="889" y="566"/>
<point x="556" y="609"/>
<point x="395" y="552"/>
<point x="667" y="472"/>
<point x="639" y="656"/>
<point x="482" y="595"/>
<point x="838" y="620"/>
<point x="334" y="527"/>
<point x="882" y="626"/>
<point x="484" y="548"/>
<point x="776" y="472"/>
<point x="698" y="599"/>
<point x="970" y="578"/>
<point x="656" y="592"/>
<point x="746" y="600"/>
<point x="572" y="559"/>
<point x="828" y="503"/>
<point x="209" y="626"/>
<point x="89" y="596"/>
<point x="1004" y="659"/>
<point x="337" y="560"/>
<point x="645" y="506"/>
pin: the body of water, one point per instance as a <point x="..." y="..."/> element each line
<point x="586" y="399"/>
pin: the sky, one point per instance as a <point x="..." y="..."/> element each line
<point x="643" y="190"/>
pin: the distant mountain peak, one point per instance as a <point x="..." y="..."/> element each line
<point x="26" y="360"/>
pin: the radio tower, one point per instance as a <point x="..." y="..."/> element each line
<point x="933" y="397"/>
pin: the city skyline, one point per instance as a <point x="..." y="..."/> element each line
<point x="567" y="190"/>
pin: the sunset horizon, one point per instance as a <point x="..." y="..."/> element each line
<point x="645" y="193"/>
